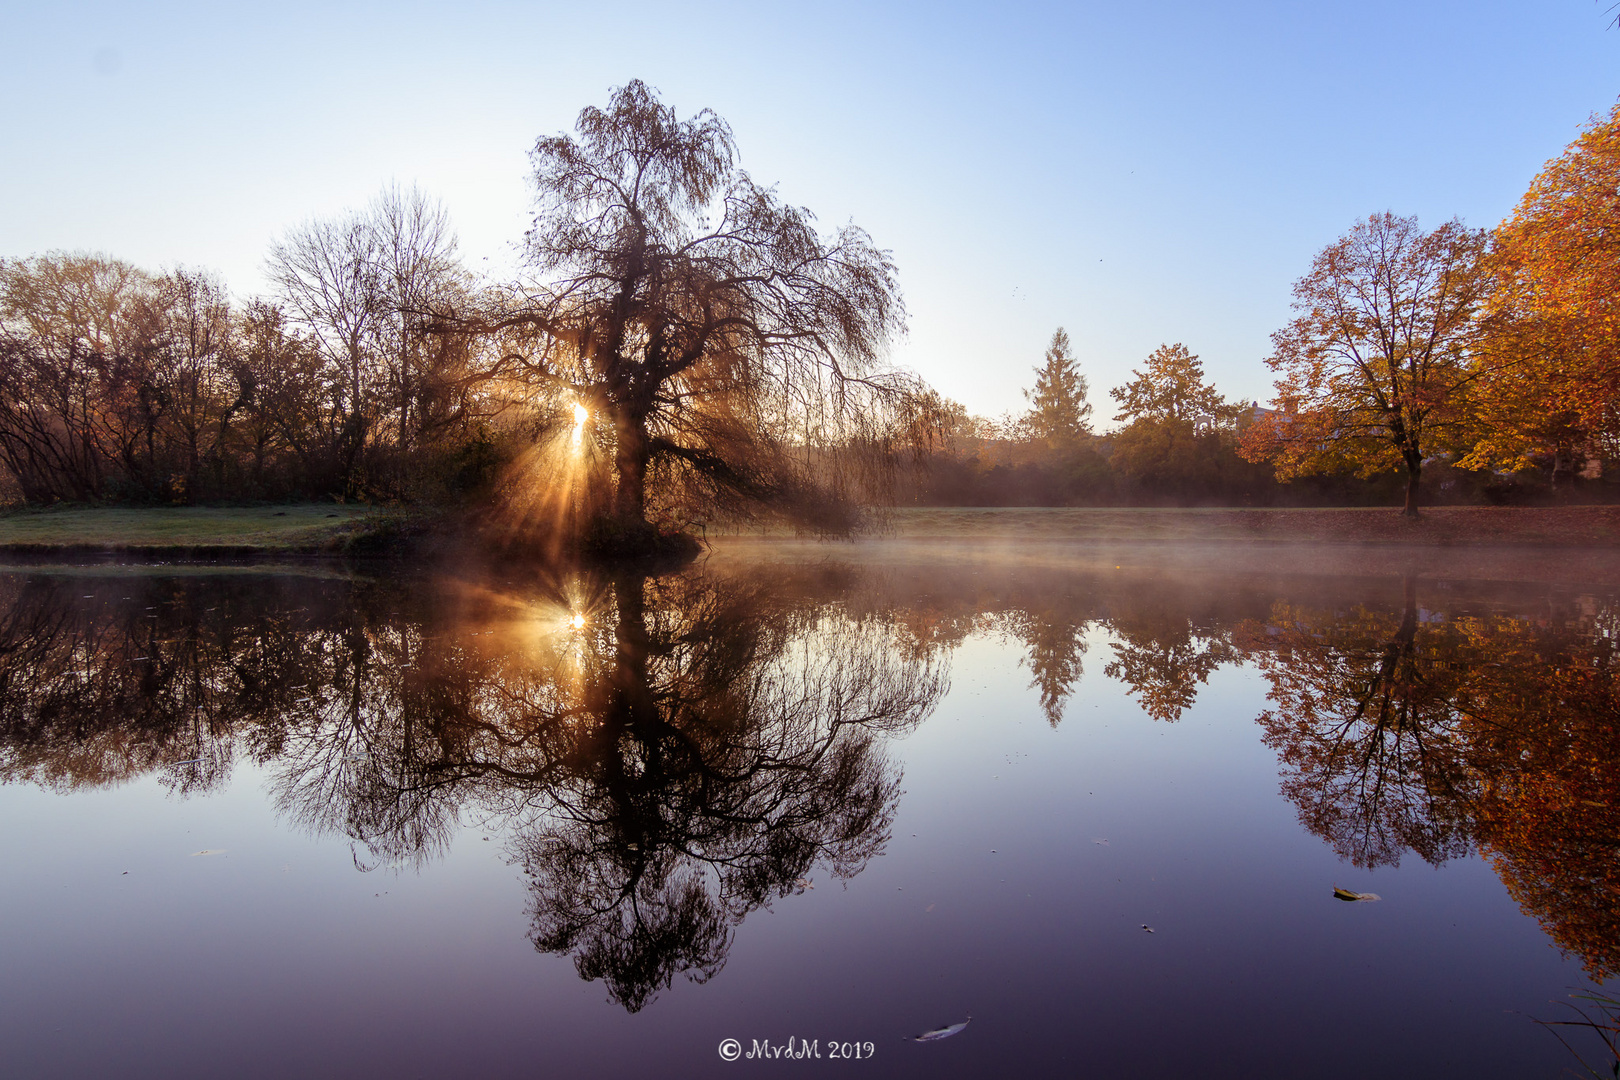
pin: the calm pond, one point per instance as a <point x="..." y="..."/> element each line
<point x="364" y="820"/>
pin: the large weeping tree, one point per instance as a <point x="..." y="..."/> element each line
<point x="729" y="354"/>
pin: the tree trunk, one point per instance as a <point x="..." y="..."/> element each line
<point x="1414" y="472"/>
<point x="630" y="463"/>
<point x="1563" y="471"/>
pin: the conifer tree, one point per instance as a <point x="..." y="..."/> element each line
<point x="1059" y="412"/>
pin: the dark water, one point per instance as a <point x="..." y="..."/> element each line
<point x="371" y="822"/>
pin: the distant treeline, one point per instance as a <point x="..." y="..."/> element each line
<point x="1010" y="472"/>
<point x="1458" y="365"/>
<point x="1180" y="445"/>
<point x="121" y="385"/>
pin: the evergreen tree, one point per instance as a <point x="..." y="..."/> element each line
<point x="1059" y="412"/>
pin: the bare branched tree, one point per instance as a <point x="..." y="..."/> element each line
<point x="356" y="283"/>
<point x="728" y="350"/>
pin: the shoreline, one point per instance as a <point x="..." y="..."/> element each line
<point x="326" y="530"/>
<point x="201" y="532"/>
<point x="1444" y="526"/>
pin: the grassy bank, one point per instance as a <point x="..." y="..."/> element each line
<point x="299" y="528"/>
<point x="1564" y="526"/>
<point x="325" y="527"/>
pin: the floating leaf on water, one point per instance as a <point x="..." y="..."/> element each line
<point x="208" y="851"/>
<point x="801" y="885"/>
<point x="1352" y="897"/>
<point x="1103" y="842"/>
<point x="942" y="1033"/>
<point x="1148" y="928"/>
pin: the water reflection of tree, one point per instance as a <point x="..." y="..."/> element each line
<point x="689" y="751"/>
<point x="1547" y="746"/>
<point x="1364" y="723"/>
<point x="1053" y="630"/>
<point x="1163" y="653"/>
<point x="1412" y="731"/>
<point x="723" y="754"/>
<point x="685" y="755"/>
<point x="101" y="687"/>
<point x="699" y="744"/>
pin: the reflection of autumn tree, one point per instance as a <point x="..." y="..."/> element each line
<point x="1410" y="731"/>
<point x="1364" y="721"/>
<point x="1548" y="751"/>
<point x="1054" y="633"/>
<point x="700" y="743"/>
<point x="1163" y="655"/>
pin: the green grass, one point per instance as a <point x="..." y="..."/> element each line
<point x="298" y="527"/>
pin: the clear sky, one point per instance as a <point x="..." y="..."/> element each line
<point x="1137" y="172"/>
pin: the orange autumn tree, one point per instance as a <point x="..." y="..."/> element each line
<point x="1375" y="369"/>
<point x="1554" y="314"/>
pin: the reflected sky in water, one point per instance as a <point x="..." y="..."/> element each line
<point x="371" y="821"/>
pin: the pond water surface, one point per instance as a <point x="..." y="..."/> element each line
<point x="377" y="821"/>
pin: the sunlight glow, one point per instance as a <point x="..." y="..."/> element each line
<point x="578" y="621"/>
<point x="581" y="414"/>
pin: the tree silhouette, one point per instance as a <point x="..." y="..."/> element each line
<point x="725" y="351"/>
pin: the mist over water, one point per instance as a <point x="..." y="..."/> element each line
<point x="386" y="821"/>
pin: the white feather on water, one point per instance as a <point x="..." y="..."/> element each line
<point x="942" y="1033"/>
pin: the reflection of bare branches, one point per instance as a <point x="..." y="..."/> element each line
<point x="1366" y="731"/>
<point x="726" y="758"/>
<point x="672" y="753"/>
<point x="101" y="688"/>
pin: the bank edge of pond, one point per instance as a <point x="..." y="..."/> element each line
<point x="207" y="532"/>
<point x="324" y="529"/>
<point x="1446" y="526"/>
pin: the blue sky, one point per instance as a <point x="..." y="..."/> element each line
<point x="1135" y="172"/>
